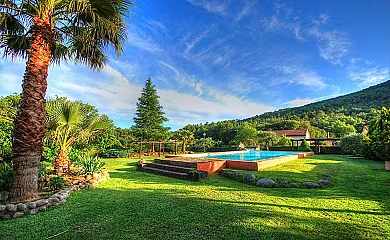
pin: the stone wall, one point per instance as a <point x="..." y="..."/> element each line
<point x="16" y="210"/>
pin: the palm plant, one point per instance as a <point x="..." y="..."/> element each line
<point x="45" y="32"/>
<point x="185" y="136"/>
<point x="67" y="124"/>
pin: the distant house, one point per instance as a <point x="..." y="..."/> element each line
<point x="365" y="129"/>
<point x="293" y="134"/>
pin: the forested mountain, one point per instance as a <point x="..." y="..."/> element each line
<point x="339" y="116"/>
<point x="350" y="104"/>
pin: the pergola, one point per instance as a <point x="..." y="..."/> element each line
<point x="316" y="142"/>
<point x="161" y="145"/>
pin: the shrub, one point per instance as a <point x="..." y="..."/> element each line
<point x="50" y="152"/>
<point x="91" y="164"/>
<point x="44" y="169"/>
<point x="352" y="145"/>
<point x="283" y="141"/>
<point x="56" y="183"/>
<point x="304" y="147"/>
<point x="76" y="156"/>
<point x="6" y="176"/>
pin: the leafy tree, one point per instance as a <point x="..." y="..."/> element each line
<point x="341" y="129"/>
<point x="46" y="32"/>
<point x="246" y="134"/>
<point x="284" y="141"/>
<point x="305" y="146"/>
<point x="65" y="122"/>
<point x="150" y="116"/>
<point x="352" y="144"/>
<point x="186" y="137"/>
<point x="379" y="136"/>
<point x="8" y="109"/>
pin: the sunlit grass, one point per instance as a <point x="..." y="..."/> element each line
<point x="137" y="205"/>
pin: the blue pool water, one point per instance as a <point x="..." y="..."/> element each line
<point x="252" y="155"/>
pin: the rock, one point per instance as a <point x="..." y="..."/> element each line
<point x="282" y="180"/>
<point x="4" y="217"/>
<point x="10" y="207"/>
<point x="323" y="182"/>
<point x="53" y="199"/>
<point x="59" y="196"/>
<point x="265" y="182"/>
<point x="4" y="196"/>
<point x="41" y="202"/>
<point x="18" y="214"/>
<point x="294" y="185"/>
<point x="31" y="205"/>
<point x="327" y="176"/>
<point x="311" y="185"/>
<point x="21" y="206"/>
<point x="2" y="208"/>
<point x="249" y="178"/>
<point x="235" y="175"/>
<point x="34" y="211"/>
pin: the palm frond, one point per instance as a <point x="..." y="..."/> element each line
<point x="14" y="45"/>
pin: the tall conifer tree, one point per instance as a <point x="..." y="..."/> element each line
<point x="150" y="116"/>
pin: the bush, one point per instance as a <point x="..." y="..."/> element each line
<point x="284" y="141"/>
<point x="44" y="169"/>
<point x="115" y="153"/>
<point x="304" y="147"/>
<point x="56" y="183"/>
<point x="352" y="145"/>
<point x="50" y="152"/>
<point x="6" y="176"/>
<point x="91" y="165"/>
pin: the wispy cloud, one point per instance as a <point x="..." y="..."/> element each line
<point x="219" y="7"/>
<point x="332" y="45"/>
<point x="246" y="9"/>
<point x="300" y="102"/>
<point x="368" y="76"/>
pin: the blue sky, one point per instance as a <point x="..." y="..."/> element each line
<point x="218" y="59"/>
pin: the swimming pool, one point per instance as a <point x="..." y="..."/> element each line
<point x="251" y="155"/>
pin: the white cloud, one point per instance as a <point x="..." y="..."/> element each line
<point x="332" y="45"/>
<point x="248" y="7"/>
<point x="300" y="102"/>
<point x="219" y="7"/>
<point x="140" y="40"/>
<point x="190" y="44"/>
<point x="368" y="76"/>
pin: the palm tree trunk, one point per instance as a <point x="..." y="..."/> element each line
<point x="183" y="147"/>
<point x="30" y="129"/>
<point x="62" y="163"/>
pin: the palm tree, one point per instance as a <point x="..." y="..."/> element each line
<point x="45" y="32"/>
<point x="185" y="136"/>
<point x="67" y="124"/>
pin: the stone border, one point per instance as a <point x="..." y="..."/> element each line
<point x="251" y="179"/>
<point x="25" y="208"/>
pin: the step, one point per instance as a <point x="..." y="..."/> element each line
<point x="165" y="172"/>
<point x="176" y="163"/>
<point x="172" y="168"/>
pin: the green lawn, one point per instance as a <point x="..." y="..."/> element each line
<point x="137" y="205"/>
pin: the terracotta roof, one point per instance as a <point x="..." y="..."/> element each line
<point x="300" y="132"/>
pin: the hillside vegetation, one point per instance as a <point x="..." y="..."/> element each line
<point x="339" y="116"/>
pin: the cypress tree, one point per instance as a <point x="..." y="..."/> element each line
<point x="150" y="116"/>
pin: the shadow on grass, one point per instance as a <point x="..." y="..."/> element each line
<point x="142" y="214"/>
<point x="138" y="205"/>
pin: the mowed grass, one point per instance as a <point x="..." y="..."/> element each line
<point x="137" y="205"/>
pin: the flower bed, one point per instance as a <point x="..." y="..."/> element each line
<point x="15" y="210"/>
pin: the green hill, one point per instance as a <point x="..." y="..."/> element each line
<point x="351" y="104"/>
<point x="338" y="116"/>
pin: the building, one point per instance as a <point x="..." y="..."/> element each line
<point x="293" y="134"/>
<point x="365" y="130"/>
